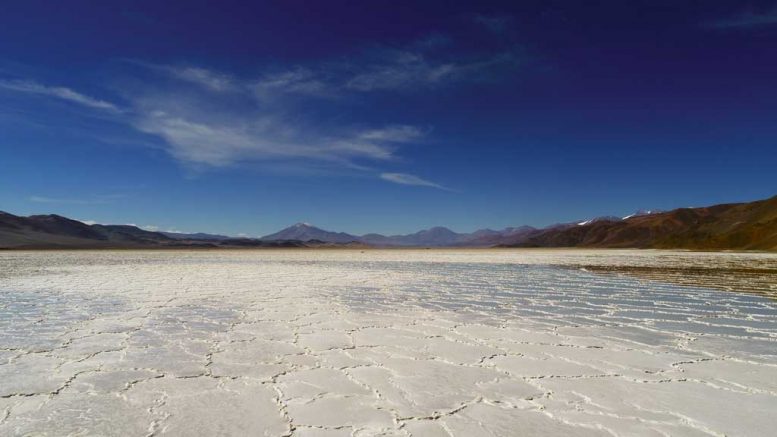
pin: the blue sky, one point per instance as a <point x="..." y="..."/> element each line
<point x="242" y="118"/>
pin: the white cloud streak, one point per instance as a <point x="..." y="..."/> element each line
<point x="298" y="81"/>
<point x="197" y="139"/>
<point x="207" y="78"/>
<point x="395" y="134"/>
<point x="404" y="70"/>
<point x="30" y="87"/>
<point x="408" y="179"/>
<point x="379" y="70"/>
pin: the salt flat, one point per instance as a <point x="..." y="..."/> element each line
<point x="394" y="342"/>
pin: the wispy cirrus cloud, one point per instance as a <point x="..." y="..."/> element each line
<point x="286" y="116"/>
<point x="407" y="70"/>
<point x="205" y="128"/>
<point x="409" y="179"/>
<point x="394" y="133"/>
<point x="196" y="137"/>
<point x="32" y="87"/>
<point x="746" y="20"/>
<point x="297" y="81"/>
<point x="204" y="77"/>
<point x="379" y="69"/>
<point x="212" y="132"/>
<point x="229" y="120"/>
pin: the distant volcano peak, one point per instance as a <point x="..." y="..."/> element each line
<point x="305" y="232"/>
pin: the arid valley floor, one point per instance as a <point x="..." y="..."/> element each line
<point x="388" y="342"/>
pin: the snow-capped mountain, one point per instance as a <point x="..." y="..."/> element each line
<point x="606" y="218"/>
<point x="641" y="212"/>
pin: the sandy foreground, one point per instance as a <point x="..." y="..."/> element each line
<point x="394" y="342"/>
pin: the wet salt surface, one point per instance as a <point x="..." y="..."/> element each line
<point x="383" y="343"/>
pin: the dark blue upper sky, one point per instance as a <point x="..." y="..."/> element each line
<point x="384" y="116"/>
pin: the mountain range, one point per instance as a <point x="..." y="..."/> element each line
<point x="434" y="237"/>
<point x="747" y="226"/>
<point x="56" y="232"/>
<point x="194" y="236"/>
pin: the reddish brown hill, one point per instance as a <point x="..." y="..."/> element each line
<point x="750" y="225"/>
<point x="57" y="232"/>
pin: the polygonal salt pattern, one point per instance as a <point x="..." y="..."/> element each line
<point x="396" y="342"/>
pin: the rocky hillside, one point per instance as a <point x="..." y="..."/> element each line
<point x="751" y="226"/>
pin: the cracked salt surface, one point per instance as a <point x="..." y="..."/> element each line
<point x="423" y="343"/>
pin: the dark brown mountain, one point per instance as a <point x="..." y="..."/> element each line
<point x="57" y="232"/>
<point x="751" y="226"/>
<point x="506" y="236"/>
<point x="48" y="224"/>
